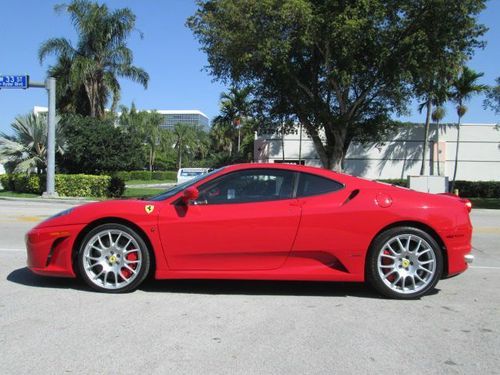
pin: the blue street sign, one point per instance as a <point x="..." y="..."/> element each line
<point x="14" y="81"/>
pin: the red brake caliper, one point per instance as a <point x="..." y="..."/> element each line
<point x="130" y="257"/>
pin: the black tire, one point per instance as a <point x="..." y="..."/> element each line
<point x="409" y="275"/>
<point x="113" y="258"/>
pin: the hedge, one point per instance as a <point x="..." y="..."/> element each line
<point x="67" y="185"/>
<point x="478" y="189"/>
<point x="468" y="189"/>
<point x="146" y="175"/>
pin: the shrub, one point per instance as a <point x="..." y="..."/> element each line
<point x="396" y="181"/>
<point x="7" y="182"/>
<point x="478" y="189"/>
<point x="67" y="185"/>
<point x="116" y="187"/>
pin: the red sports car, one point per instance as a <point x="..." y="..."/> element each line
<point x="262" y="221"/>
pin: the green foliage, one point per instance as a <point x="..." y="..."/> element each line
<point x="341" y="68"/>
<point x="146" y="126"/>
<point x="478" y="189"/>
<point x="116" y="187"/>
<point x="87" y="72"/>
<point x="97" y="146"/>
<point x="26" y="150"/>
<point x="492" y="100"/>
<point x="146" y="175"/>
<point x="71" y="185"/>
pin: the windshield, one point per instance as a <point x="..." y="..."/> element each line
<point x="179" y="187"/>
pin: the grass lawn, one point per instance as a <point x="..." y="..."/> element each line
<point x="5" y="193"/>
<point x="141" y="192"/>
<point x="493" y="203"/>
<point x="148" y="182"/>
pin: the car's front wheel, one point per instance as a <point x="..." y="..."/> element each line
<point x="404" y="263"/>
<point x="113" y="258"/>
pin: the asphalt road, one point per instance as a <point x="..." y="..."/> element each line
<point x="56" y="326"/>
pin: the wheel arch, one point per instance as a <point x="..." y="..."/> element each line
<point x="419" y="225"/>
<point x="113" y="220"/>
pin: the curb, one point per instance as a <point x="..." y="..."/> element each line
<point x="50" y="200"/>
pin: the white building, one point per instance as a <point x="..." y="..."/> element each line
<point x="401" y="156"/>
<point x="171" y="116"/>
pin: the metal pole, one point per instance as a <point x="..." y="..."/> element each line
<point x="50" y="85"/>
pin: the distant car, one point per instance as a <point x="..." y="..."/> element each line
<point x="262" y="221"/>
<point x="186" y="174"/>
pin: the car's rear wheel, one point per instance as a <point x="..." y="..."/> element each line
<point x="113" y="258"/>
<point x="404" y="263"/>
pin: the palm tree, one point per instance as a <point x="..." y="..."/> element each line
<point x="26" y="150"/>
<point x="89" y="71"/>
<point x="146" y="126"/>
<point x="462" y="89"/>
<point x="223" y="131"/>
<point x="185" y="138"/>
<point x="236" y="107"/>
<point x="437" y="115"/>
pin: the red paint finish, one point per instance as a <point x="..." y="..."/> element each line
<point x="318" y="237"/>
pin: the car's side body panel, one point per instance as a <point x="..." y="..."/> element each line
<point x="244" y="236"/>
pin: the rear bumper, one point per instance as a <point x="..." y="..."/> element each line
<point x="49" y="250"/>
<point x="458" y="249"/>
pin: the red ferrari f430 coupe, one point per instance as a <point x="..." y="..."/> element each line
<point x="262" y="221"/>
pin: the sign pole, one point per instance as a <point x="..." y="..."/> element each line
<point x="50" y="85"/>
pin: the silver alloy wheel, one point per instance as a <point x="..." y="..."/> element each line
<point x="406" y="263"/>
<point x="112" y="259"/>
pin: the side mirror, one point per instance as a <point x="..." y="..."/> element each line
<point x="190" y="194"/>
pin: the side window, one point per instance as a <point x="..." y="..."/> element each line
<point x="310" y="184"/>
<point x="254" y="185"/>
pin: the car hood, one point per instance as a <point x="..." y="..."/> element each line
<point x="132" y="209"/>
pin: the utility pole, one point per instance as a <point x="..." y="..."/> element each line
<point x="50" y="86"/>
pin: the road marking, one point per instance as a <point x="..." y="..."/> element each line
<point x="488" y="230"/>
<point x="14" y="250"/>
<point x="485" y="267"/>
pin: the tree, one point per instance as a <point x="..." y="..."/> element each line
<point x="492" y="100"/>
<point x="433" y="86"/>
<point x="146" y="126"/>
<point x="236" y="105"/>
<point x="88" y="72"/>
<point x="462" y="89"/>
<point x="96" y="146"/>
<point x="437" y="115"/>
<point x="185" y="139"/>
<point x="26" y="150"/>
<point x="341" y="68"/>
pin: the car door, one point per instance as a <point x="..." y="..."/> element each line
<point x="243" y="220"/>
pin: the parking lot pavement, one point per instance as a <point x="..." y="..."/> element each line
<point x="244" y="327"/>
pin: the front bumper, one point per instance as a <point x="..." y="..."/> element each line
<point x="50" y="250"/>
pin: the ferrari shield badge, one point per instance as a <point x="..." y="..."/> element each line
<point x="149" y="208"/>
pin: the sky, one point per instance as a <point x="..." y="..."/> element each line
<point x="171" y="55"/>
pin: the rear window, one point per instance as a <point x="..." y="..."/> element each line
<point x="310" y="184"/>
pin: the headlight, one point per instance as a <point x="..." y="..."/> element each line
<point x="62" y="213"/>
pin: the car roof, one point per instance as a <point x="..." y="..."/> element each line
<point x="341" y="177"/>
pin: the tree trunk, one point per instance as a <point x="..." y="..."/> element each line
<point x="456" y="155"/>
<point x="426" y="137"/>
<point x="437" y="150"/>
<point x="331" y="156"/>
<point x="179" y="155"/>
